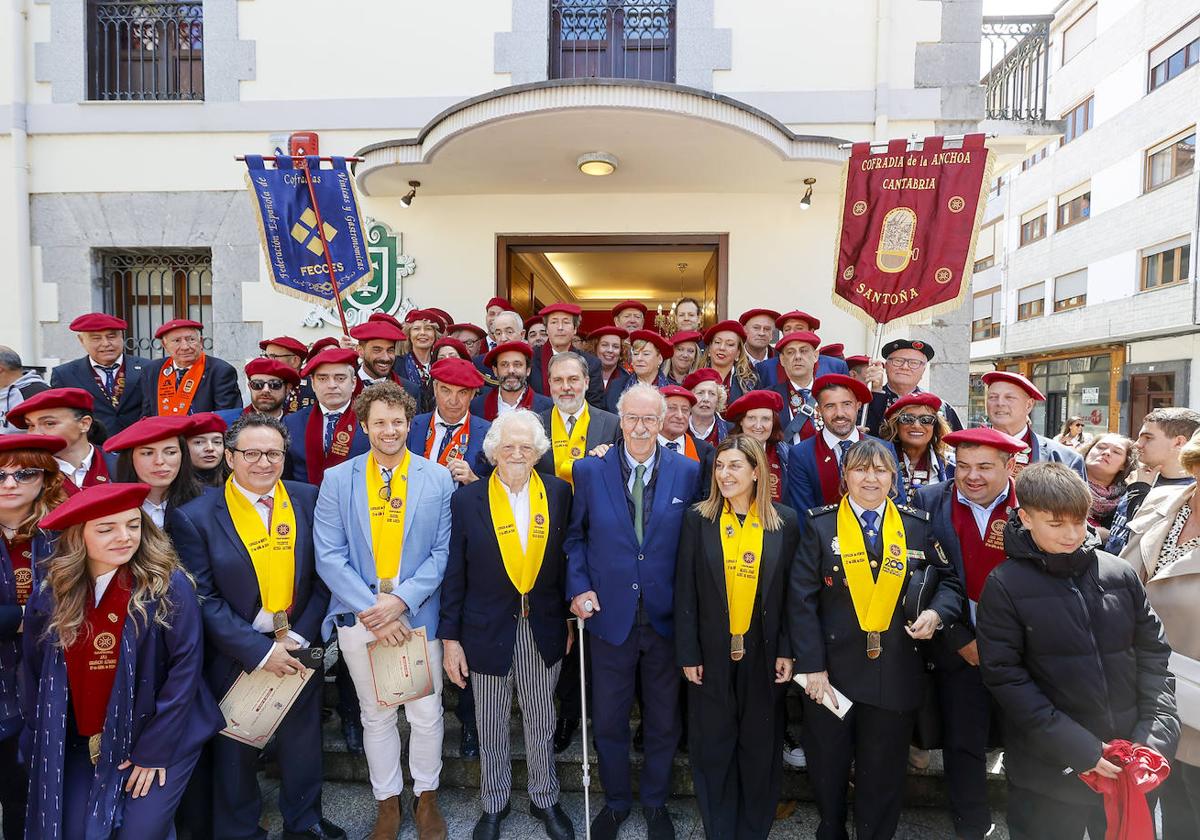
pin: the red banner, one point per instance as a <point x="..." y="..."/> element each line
<point x="908" y="225"/>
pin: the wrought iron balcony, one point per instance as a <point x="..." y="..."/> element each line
<point x="145" y="50"/>
<point x="1016" y="48"/>
<point x="612" y="39"/>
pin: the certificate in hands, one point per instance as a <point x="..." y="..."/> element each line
<point x="257" y="702"/>
<point x="401" y="672"/>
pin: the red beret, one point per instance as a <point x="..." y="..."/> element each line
<point x="52" y="398"/>
<point x="569" y="308"/>
<point x="1009" y="377"/>
<point x="532" y="320"/>
<point x="754" y="313"/>
<point x="331" y="356"/>
<point x="375" y="317"/>
<point x="444" y="317"/>
<point x="930" y="401"/>
<point x="835" y="350"/>
<point x="149" y="430"/>
<point x="43" y="443"/>
<point x="685" y="336"/>
<point x="793" y="337"/>
<point x="629" y="304"/>
<point x="425" y="315"/>
<point x="459" y="347"/>
<point x="501" y="302"/>
<point x="678" y="391"/>
<point x="702" y="375"/>
<point x="609" y="329"/>
<point x="97" y="322"/>
<point x="663" y="346"/>
<point x="813" y="322"/>
<point x="178" y="324"/>
<point x="457" y="372"/>
<point x="839" y="380"/>
<point x="751" y="400"/>
<point x="857" y="361"/>
<point x="724" y="326"/>
<point x="208" y="423"/>
<point x="293" y="345"/>
<point x="270" y="367"/>
<point x="468" y="327"/>
<point x="376" y="331"/>
<point x="493" y="355"/>
<point x="984" y="436"/>
<point x="95" y="502"/>
<point x="323" y="344"/>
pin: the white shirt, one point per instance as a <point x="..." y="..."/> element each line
<point x="157" y="513"/>
<point x="519" y="502"/>
<point x="702" y="435"/>
<point x="439" y="432"/>
<point x="76" y="474"/>
<point x="327" y="411"/>
<point x="832" y="441"/>
<point x="797" y="386"/>
<point x="859" y="510"/>
<point x="980" y="513"/>
<point x="101" y="584"/>
<point x="680" y="442"/>
<point x="633" y="465"/>
<point x="503" y="407"/>
<point x="570" y="419"/>
<point x="99" y="368"/>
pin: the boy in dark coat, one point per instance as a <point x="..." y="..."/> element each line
<point x="1074" y="656"/>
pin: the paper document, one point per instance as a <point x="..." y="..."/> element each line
<point x="843" y="702"/>
<point x="401" y="672"/>
<point x="257" y="702"/>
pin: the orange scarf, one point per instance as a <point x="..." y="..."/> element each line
<point x="177" y="399"/>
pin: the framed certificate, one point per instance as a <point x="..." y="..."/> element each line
<point x="257" y="702"/>
<point x="401" y="672"/>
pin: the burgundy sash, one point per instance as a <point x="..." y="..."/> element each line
<point x="314" y="442"/>
<point x="776" y="471"/>
<point x="491" y="402"/>
<point x="828" y="472"/>
<point x="97" y="474"/>
<point x="92" y="658"/>
<point x="20" y="556"/>
<point x="118" y="383"/>
<point x="981" y="554"/>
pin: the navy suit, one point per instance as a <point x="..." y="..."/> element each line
<point x="218" y="388"/>
<point x="474" y="456"/>
<point x="616" y="387"/>
<point x="205" y="537"/>
<point x="77" y="373"/>
<point x="296" y="425"/>
<point x="633" y="630"/>
<point x="803" y="479"/>
<point x="595" y="389"/>
<point x="768" y="369"/>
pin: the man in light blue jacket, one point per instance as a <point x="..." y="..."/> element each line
<point x="382" y="534"/>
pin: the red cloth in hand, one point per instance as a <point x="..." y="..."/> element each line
<point x="1142" y="770"/>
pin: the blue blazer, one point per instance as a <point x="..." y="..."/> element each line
<point x="768" y="369"/>
<point x="206" y="540"/>
<point x="218" y="387"/>
<point x="804" y="481"/>
<point x="474" y="454"/>
<point x="295" y="424"/>
<point x="603" y="554"/>
<point x="77" y="373"/>
<point x="480" y="605"/>
<point x="342" y="537"/>
<point x="540" y="403"/>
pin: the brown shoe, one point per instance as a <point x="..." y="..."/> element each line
<point x="430" y="824"/>
<point x="387" y="822"/>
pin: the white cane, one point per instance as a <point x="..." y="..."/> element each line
<point x="587" y="774"/>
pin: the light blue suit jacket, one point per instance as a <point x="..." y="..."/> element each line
<point x="342" y="539"/>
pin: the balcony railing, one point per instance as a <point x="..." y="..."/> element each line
<point x="145" y="50"/>
<point x="1017" y="51"/>
<point x="612" y="39"/>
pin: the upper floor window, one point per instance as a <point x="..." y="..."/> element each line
<point x="1070" y="290"/>
<point x="1033" y="225"/>
<point x="1074" y="205"/>
<point x="1031" y="301"/>
<point x="989" y="245"/>
<point x="985" y="322"/>
<point x="150" y="286"/>
<point x="1176" y="54"/>
<point x="1171" y="159"/>
<point x="1079" y="120"/>
<point x="145" y="50"/>
<point x="1079" y="34"/>
<point x="1166" y="264"/>
<point x="1039" y="155"/>
<point x="612" y="39"/>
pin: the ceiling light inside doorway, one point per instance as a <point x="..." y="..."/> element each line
<point x="806" y="202"/>
<point x="597" y="163"/>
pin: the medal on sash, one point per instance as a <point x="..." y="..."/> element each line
<point x="272" y="551"/>
<point x="385" y="504"/>
<point x="176" y="399"/>
<point x="568" y="449"/>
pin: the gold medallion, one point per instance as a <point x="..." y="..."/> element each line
<point x="386" y="586"/>
<point x="94" y="748"/>
<point x="737" y="647"/>
<point x="874" y="645"/>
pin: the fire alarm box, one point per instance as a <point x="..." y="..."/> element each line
<point x="304" y="143"/>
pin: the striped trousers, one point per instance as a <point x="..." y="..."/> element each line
<point x="534" y="684"/>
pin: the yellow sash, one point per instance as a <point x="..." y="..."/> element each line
<point x="522" y="565"/>
<point x="874" y="599"/>
<point x="568" y="450"/>
<point x="741" y="545"/>
<point x="273" y="554"/>
<point x="387" y="515"/>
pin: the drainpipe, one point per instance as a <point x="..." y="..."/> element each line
<point x="20" y="180"/>
<point x="883" y="43"/>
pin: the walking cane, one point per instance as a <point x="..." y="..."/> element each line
<point x="587" y="774"/>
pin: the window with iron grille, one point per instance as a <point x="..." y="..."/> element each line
<point x="612" y="39"/>
<point x="139" y="51"/>
<point x="149" y="286"/>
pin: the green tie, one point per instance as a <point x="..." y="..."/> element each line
<point x="639" y="489"/>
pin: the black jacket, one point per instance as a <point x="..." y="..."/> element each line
<point x="218" y="388"/>
<point x="826" y="635"/>
<point x="595" y="388"/>
<point x="77" y="373"/>
<point x="1074" y="656"/>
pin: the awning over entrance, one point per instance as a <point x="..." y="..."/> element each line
<point x="666" y="138"/>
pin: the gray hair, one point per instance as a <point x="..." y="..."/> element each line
<point x="504" y="423"/>
<point x="9" y="359"/>
<point x="643" y="389"/>
<point x="559" y="358"/>
<point x="508" y="313"/>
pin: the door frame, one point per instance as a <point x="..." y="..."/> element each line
<point x="616" y="242"/>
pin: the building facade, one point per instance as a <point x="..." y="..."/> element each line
<point x="1085" y="279"/>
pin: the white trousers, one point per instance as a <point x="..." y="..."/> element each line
<point x="381" y="738"/>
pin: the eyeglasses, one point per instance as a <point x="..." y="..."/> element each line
<point x="646" y="420"/>
<point x="259" y="384"/>
<point x="26" y="475"/>
<point x="253" y="456"/>
<point x="279" y="356"/>
<point x="907" y="419"/>
<point x="911" y="364"/>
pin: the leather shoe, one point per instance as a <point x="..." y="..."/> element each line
<point x="323" y="830"/>
<point x="607" y="824"/>
<point x="564" y="731"/>
<point x="488" y="825"/>
<point x="658" y="824"/>
<point x="558" y="824"/>
<point x="469" y="745"/>
<point x="431" y="825"/>
<point x="387" y="820"/>
<point x="352" y="732"/>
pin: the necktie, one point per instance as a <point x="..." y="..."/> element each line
<point x="844" y="445"/>
<point x="448" y="430"/>
<point x="571" y="425"/>
<point x="179" y="373"/>
<point x="331" y="420"/>
<point x="639" y="491"/>
<point x="110" y="379"/>
<point x="869" y="518"/>
<point x="269" y="504"/>
<point x="673" y="445"/>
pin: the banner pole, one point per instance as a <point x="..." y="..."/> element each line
<point x="876" y="345"/>
<point x="337" y="294"/>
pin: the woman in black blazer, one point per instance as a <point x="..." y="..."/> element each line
<point x="738" y="660"/>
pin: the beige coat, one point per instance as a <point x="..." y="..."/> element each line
<point x="1174" y="593"/>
